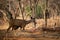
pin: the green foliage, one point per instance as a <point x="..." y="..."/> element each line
<point x="43" y="6"/>
<point x="28" y="9"/>
<point x="39" y="12"/>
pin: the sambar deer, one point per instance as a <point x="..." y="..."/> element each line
<point x="19" y="23"/>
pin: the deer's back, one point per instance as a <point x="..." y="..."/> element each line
<point x="18" y="22"/>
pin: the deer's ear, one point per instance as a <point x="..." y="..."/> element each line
<point x="31" y="17"/>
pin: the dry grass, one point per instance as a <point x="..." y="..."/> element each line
<point x="31" y="33"/>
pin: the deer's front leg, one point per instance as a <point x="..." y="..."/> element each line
<point x="20" y="28"/>
<point x="12" y="28"/>
<point x="8" y="28"/>
<point x="23" y="27"/>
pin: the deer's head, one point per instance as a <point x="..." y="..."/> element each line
<point x="33" y="20"/>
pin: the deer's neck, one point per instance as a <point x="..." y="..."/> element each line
<point x="11" y="21"/>
<point x="29" y="21"/>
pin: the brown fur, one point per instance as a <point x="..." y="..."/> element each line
<point x="16" y="23"/>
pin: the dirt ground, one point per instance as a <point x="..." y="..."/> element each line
<point x="28" y="35"/>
